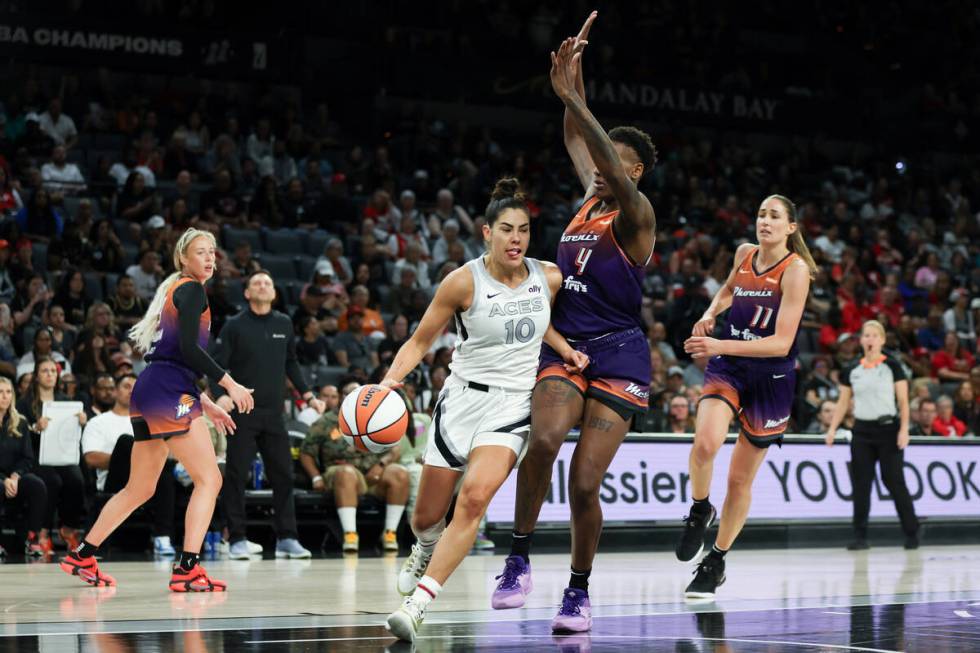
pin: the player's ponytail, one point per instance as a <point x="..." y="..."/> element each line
<point x="143" y="332"/>
<point x="796" y="242"/>
<point x="507" y="194"/>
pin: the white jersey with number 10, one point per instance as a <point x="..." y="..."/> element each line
<point x="499" y="337"/>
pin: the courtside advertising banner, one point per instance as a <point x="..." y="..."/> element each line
<point x="648" y="481"/>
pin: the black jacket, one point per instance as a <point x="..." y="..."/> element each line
<point x="259" y="351"/>
<point x="16" y="452"/>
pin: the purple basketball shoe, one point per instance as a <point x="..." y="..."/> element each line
<point x="515" y="584"/>
<point x="575" y="613"/>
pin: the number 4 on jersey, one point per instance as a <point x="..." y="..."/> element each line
<point x="582" y="259"/>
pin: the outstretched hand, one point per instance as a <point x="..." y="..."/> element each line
<point x="582" y="38"/>
<point x="564" y="65"/>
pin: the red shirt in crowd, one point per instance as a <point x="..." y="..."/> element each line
<point x="943" y="359"/>
<point x="954" y="428"/>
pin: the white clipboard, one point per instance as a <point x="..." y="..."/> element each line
<point x="60" y="441"/>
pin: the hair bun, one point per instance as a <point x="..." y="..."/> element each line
<point x="507" y="188"/>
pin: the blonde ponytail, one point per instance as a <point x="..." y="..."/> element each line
<point x="796" y="243"/>
<point x="144" y="332"/>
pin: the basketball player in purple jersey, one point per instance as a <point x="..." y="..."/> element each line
<point x="750" y="376"/>
<point x="167" y="412"/>
<point x="602" y="255"/>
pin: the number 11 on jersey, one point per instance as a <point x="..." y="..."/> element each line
<point x="582" y="259"/>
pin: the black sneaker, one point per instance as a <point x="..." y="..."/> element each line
<point x="709" y="575"/>
<point x="859" y="544"/>
<point x="912" y="542"/>
<point x="692" y="539"/>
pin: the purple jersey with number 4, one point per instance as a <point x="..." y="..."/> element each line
<point x="602" y="290"/>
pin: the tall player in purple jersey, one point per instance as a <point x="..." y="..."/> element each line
<point x="602" y="255"/>
<point x="750" y="377"/>
<point x="167" y="412"/>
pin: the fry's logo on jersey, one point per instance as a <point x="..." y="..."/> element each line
<point x="637" y="391"/>
<point x="580" y="238"/>
<point x="184" y="405"/>
<point x="743" y="334"/>
<point x="774" y="423"/>
<point x="742" y="292"/>
<point x="520" y="307"/>
<point x="571" y="284"/>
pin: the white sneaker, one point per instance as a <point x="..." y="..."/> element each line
<point x="413" y="569"/>
<point x="162" y="547"/>
<point x="243" y="550"/>
<point x="404" y="622"/>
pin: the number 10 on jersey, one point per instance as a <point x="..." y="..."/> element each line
<point x="582" y="259"/>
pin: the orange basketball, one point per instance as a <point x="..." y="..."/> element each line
<point x="373" y="418"/>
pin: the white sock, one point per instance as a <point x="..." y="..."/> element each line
<point x="426" y="590"/>
<point x="393" y="515"/>
<point x="348" y="519"/>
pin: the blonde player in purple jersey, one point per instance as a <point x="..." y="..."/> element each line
<point x="750" y="377"/>
<point x="601" y="256"/>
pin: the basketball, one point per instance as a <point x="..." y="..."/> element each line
<point x="373" y="418"/>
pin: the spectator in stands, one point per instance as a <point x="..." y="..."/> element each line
<point x="283" y="165"/>
<point x="964" y="404"/>
<point x="333" y="253"/>
<point x="408" y="234"/>
<point x="330" y="396"/>
<point x="889" y="305"/>
<point x="243" y="261"/>
<point x="821" y="421"/>
<point x="946" y="424"/>
<point x="927" y="275"/>
<point x="371" y="320"/>
<point x="65" y="485"/>
<point x="397" y="336"/>
<point x="106" y="249"/>
<point x="59" y="127"/>
<point x="158" y="237"/>
<point x="657" y="336"/>
<point x="296" y="208"/>
<point x="312" y="347"/>
<point x="43" y="348"/>
<point x="103" y="395"/>
<point x="474" y="242"/>
<point x="29" y="305"/>
<point x="73" y="297"/>
<point x="7" y="287"/>
<point x="40" y="220"/>
<point x="91" y="356"/>
<point x="450" y="236"/>
<point x="34" y="141"/>
<point x="447" y="208"/>
<point x="414" y="258"/>
<point x="60" y="176"/>
<point x="350" y="474"/>
<point x="121" y="171"/>
<point x="953" y="362"/>
<point x="260" y="142"/>
<point x="63" y="335"/>
<point x="680" y="419"/>
<point x="400" y="296"/>
<point x="220" y="204"/>
<point x="100" y="321"/>
<point x="136" y="202"/>
<point x="107" y="445"/>
<point x="146" y="274"/>
<point x="127" y="306"/>
<point x="266" y="207"/>
<point x="958" y="318"/>
<point x="10" y="199"/>
<point x="21" y="486"/>
<point x="694" y="372"/>
<point x="352" y="347"/>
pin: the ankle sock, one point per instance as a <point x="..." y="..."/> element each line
<point x="520" y="544"/>
<point x="187" y="560"/>
<point x="579" y="579"/>
<point x="717" y="553"/>
<point x="85" y="549"/>
<point x="427" y="590"/>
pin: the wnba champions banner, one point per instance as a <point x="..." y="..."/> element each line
<point x="648" y="481"/>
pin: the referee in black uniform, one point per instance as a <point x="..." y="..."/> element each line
<point x="881" y="432"/>
<point x="258" y="346"/>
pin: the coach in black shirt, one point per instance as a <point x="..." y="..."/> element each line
<point x="257" y="346"/>
<point x="881" y="432"/>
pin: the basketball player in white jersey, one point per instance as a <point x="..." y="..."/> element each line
<point x="502" y="306"/>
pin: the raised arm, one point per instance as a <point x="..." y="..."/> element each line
<point x="574" y="142"/>
<point x="454" y="293"/>
<point x="636" y="222"/>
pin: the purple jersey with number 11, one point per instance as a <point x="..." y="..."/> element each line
<point x="756" y="299"/>
<point x="602" y="290"/>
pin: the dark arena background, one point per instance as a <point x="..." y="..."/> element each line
<point x="349" y="149"/>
